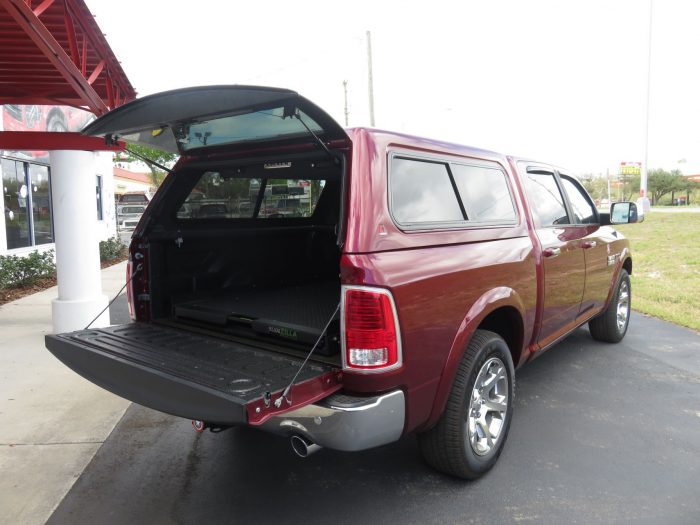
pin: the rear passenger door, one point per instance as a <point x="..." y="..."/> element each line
<point x="594" y="244"/>
<point x="563" y="259"/>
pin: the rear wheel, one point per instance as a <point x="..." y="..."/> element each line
<point x="611" y="325"/>
<point x="470" y="435"/>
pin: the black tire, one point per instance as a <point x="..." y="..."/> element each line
<point x="605" y="327"/>
<point x="447" y="446"/>
<point x="56" y="123"/>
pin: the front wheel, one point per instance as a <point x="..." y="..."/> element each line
<point x="470" y="435"/>
<point x="611" y="325"/>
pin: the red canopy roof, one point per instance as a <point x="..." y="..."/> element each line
<point x="53" y="52"/>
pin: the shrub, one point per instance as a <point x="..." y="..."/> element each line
<point x="15" y="270"/>
<point x="112" y="248"/>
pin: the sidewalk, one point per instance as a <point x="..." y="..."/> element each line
<point x="52" y="421"/>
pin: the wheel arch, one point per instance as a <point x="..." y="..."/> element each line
<point x="500" y="310"/>
<point x="627" y="265"/>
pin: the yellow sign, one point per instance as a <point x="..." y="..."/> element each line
<point x="630" y="168"/>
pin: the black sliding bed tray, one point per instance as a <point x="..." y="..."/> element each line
<point x="297" y="313"/>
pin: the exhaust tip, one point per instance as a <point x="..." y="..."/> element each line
<point x="302" y="447"/>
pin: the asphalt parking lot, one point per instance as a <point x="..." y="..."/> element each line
<point x="601" y="434"/>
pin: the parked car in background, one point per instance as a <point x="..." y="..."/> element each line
<point x="130" y="207"/>
<point x="212" y="210"/>
<point x="134" y="197"/>
<point x="129" y="215"/>
<point x="282" y="208"/>
<point x="422" y="276"/>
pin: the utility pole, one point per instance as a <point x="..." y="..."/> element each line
<point x="345" y="93"/>
<point x="643" y="199"/>
<point x="369" y="75"/>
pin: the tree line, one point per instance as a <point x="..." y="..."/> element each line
<point x="659" y="184"/>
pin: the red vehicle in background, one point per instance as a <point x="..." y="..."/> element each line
<point x="422" y="276"/>
<point x="44" y="118"/>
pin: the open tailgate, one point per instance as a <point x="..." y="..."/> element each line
<point x="191" y="375"/>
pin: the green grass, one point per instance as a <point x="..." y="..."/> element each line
<point x="666" y="266"/>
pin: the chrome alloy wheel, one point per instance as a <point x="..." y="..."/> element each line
<point x="488" y="407"/>
<point x="623" y="305"/>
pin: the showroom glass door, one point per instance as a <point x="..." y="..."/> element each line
<point x="27" y="200"/>
<point x="15" y="197"/>
<point x="41" y="204"/>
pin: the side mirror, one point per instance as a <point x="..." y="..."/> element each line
<point x="624" y="213"/>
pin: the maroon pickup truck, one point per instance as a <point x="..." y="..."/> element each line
<point x="420" y="275"/>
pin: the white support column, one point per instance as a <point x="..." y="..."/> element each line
<point x="80" y="296"/>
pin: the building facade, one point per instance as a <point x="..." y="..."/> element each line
<point x="26" y="209"/>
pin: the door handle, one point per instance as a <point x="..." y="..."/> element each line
<point x="587" y="245"/>
<point x="551" y="252"/>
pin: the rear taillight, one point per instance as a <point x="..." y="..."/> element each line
<point x="371" y="336"/>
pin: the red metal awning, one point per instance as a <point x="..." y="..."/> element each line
<point x="52" y="52"/>
<point x="44" y="140"/>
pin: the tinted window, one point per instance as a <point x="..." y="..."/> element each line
<point x="133" y="209"/>
<point x="25" y="188"/>
<point x="41" y="204"/>
<point x="421" y="192"/>
<point x="584" y="213"/>
<point x="15" y="195"/>
<point x="133" y="198"/>
<point x="266" y="124"/>
<point x="220" y="195"/>
<point x="545" y="199"/>
<point x="484" y="192"/>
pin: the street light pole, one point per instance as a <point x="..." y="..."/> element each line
<point x="643" y="199"/>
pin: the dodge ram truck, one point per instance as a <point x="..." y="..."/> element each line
<point x="420" y="276"/>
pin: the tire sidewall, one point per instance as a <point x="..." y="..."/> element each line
<point x="495" y="347"/>
<point x="56" y="124"/>
<point x="624" y="277"/>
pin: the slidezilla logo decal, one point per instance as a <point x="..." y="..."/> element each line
<point x="283" y="332"/>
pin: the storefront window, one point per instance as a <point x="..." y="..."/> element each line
<point x="41" y="204"/>
<point x="26" y="187"/>
<point x="98" y="192"/>
<point x="15" y="199"/>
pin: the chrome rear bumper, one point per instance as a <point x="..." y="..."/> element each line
<point x="341" y="422"/>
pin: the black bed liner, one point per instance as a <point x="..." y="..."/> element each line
<point x="175" y="371"/>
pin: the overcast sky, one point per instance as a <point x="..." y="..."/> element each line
<point x="563" y="82"/>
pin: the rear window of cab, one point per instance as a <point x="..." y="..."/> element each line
<point x="436" y="193"/>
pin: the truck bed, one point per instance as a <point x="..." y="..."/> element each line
<point x="296" y="313"/>
<point x="307" y="305"/>
<point x="186" y="374"/>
